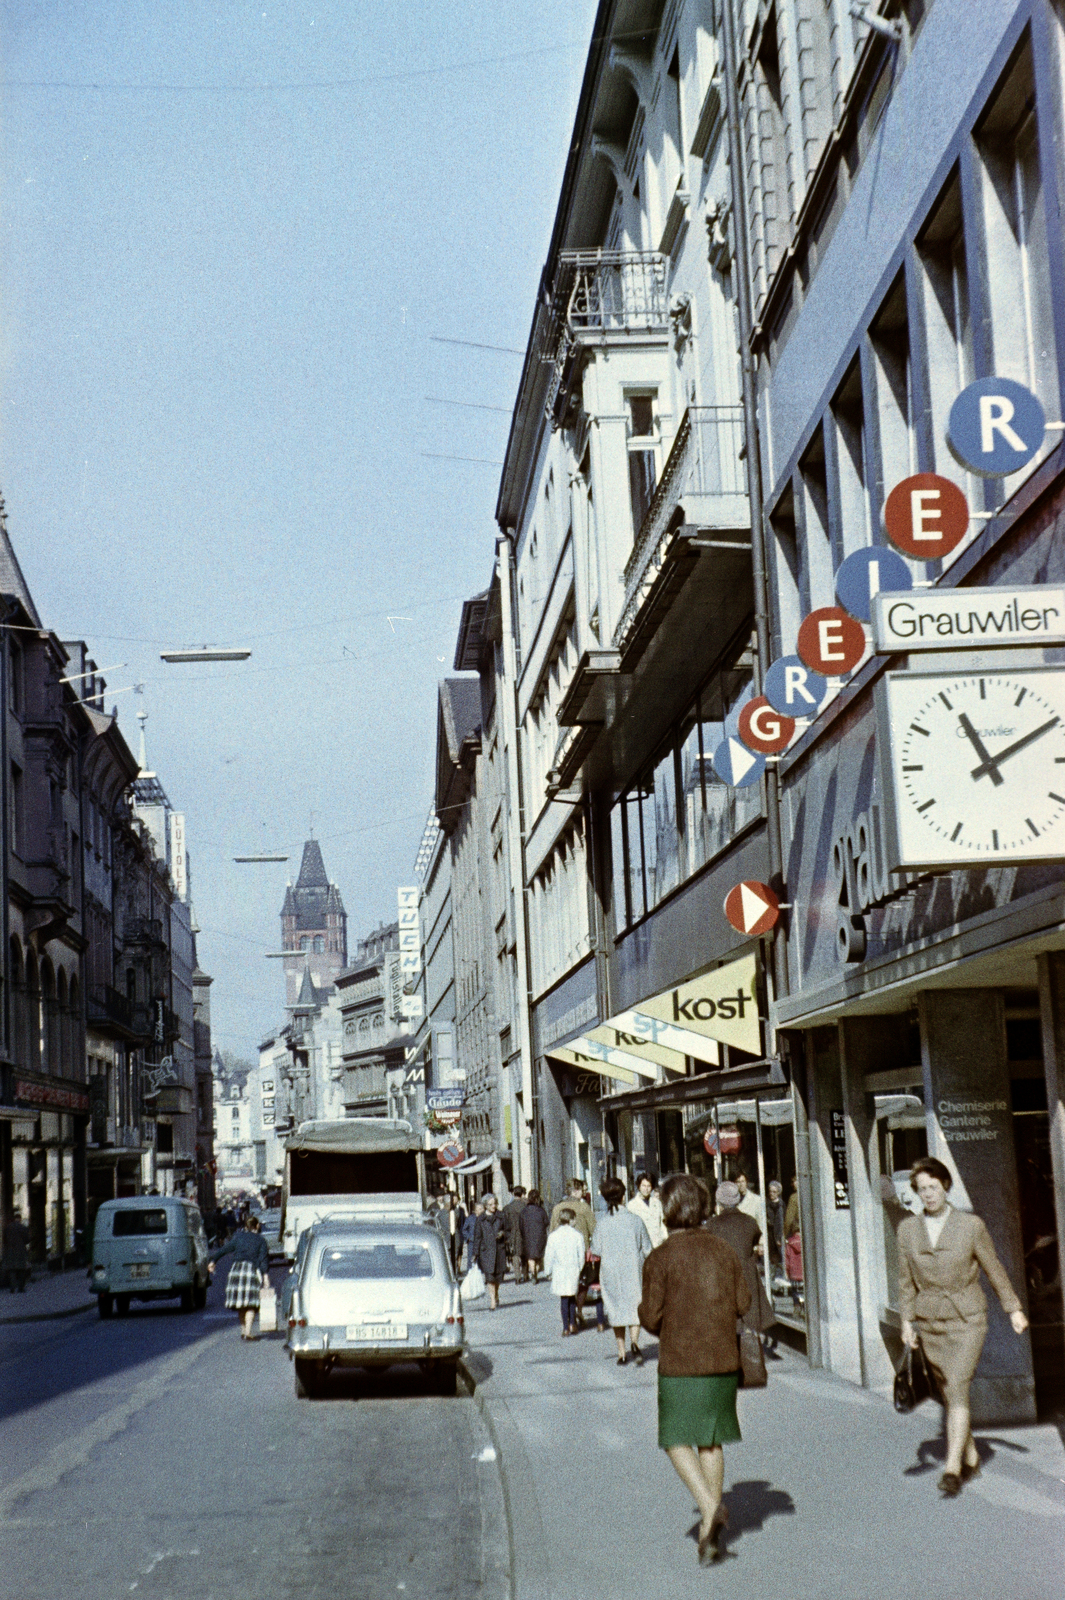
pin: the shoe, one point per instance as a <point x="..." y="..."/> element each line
<point x="637" y="1356"/>
<point x="710" y="1547"/>
<point x="968" y="1472"/>
<point x="622" y="1360"/>
<point x="950" y="1485"/>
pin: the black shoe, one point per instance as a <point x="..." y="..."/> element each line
<point x="637" y="1356"/>
<point x="622" y="1360"/>
<point x="968" y="1472"/>
<point x="950" y="1485"/>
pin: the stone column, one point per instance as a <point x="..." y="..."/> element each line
<point x="970" y="1129"/>
<point x="1052" y="1007"/>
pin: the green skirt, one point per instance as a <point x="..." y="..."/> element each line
<point x="698" y="1411"/>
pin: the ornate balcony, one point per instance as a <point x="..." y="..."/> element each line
<point x="600" y="296"/>
<point x="702" y="494"/>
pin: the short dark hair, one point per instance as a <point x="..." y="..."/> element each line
<point x="518" y="1189"/>
<point x="613" y="1192"/>
<point x="566" y="1214"/>
<point x="652" y="1180"/>
<point x="576" y="1186"/>
<point x="932" y="1169"/>
<point x="533" y="1197"/>
<point x="683" y="1201"/>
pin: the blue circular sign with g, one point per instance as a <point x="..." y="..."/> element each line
<point x="864" y="574"/>
<point x="995" y="427"/>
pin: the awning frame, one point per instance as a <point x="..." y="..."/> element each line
<point x="766" y="1073"/>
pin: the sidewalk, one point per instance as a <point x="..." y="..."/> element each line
<point x="832" y="1494"/>
<point x="51" y="1294"/>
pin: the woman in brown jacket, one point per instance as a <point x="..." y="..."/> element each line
<point x="693" y="1292"/>
<point x="943" y="1307"/>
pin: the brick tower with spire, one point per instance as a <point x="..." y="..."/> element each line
<point x="314" y="926"/>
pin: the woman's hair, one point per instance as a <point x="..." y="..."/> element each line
<point x="253" y="1224"/>
<point x="683" y="1202"/>
<point x="932" y="1169"/>
<point x="490" y="1196"/>
<point x="651" y="1179"/>
<point x="533" y="1197"/>
<point x="613" y="1192"/>
<point x="566" y="1215"/>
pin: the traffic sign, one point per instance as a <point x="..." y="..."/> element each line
<point x="752" y="908"/>
<point x="925" y="516"/>
<point x="792" y="688"/>
<point x="831" y="641"/>
<point x="995" y="427"/>
<point x="763" y="729"/>
<point x="865" y="573"/>
<point x="736" y="765"/>
<point x="449" y="1155"/>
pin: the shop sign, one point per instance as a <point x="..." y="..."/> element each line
<point x="600" y="1061"/>
<point x="410" y="939"/>
<point x="926" y="517"/>
<point x="792" y="688"/>
<point x="865" y="573"/>
<point x="995" y="427"/>
<point x="727" y="1142"/>
<point x="98" y="1108"/>
<point x="640" y="1045"/>
<point x="752" y="907"/>
<point x="445" y="1100"/>
<point x="50" y="1095"/>
<point x="721" y="1005"/>
<point x="966" y="619"/>
<point x="839" y="1160"/>
<point x="449" y="1155"/>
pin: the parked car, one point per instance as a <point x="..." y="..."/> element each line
<point x="270" y="1222"/>
<point x="149" y="1247"/>
<point x="370" y="1294"/>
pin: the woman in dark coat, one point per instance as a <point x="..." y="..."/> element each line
<point x="742" y="1233"/>
<point x="249" y="1272"/>
<point x="693" y="1292"/>
<point x="534" y="1225"/>
<point x="490" y="1248"/>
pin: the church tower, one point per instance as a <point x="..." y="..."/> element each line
<point x="314" y="926"/>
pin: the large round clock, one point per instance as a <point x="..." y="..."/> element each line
<point x="975" y="768"/>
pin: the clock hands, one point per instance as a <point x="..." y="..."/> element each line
<point x="990" y="764"/>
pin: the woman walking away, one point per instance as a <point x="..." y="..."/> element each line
<point x="741" y="1232"/>
<point x="693" y="1292"/>
<point x="251" y="1262"/>
<point x="469" y="1232"/>
<point x="563" y="1259"/>
<point x="490" y="1248"/>
<point x="622" y="1243"/>
<point x="534" y="1222"/>
<point x="943" y="1307"/>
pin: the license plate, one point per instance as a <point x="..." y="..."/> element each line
<point x="140" y="1270"/>
<point x="375" y="1332"/>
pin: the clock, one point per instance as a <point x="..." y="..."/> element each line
<point x="973" y="766"/>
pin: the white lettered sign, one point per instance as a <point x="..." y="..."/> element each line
<point x="960" y="619"/>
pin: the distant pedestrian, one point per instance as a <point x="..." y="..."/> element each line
<point x="646" y="1204"/>
<point x="793" y="1243"/>
<point x="583" y="1215"/>
<point x="943" y="1307"/>
<point x="452" y="1220"/>
<point x="741" y="1233"/>
<point x="693" y="1292"/>
<point x="490" y="1248"/>
<point x="534" y="1230"/>
<point x="622" y="1244"/>
<point x="512" y="1221"/>
<point x="16" y="1258"/>
<point x="774" y="1221"/>
<point x="751" y="1203"/>
<point x="469" y="1232"/>
<point x="248" y="1273"/>
<point x="563" y="1259"/>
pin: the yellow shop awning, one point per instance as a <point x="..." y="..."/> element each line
<point x="721" y="1005"/>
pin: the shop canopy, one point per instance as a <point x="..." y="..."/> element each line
<point x="472" y="1164"/>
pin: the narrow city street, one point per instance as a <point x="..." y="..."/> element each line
<point x="157" y="1456"/>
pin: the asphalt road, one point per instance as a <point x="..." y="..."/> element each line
<point x="160" y="1457"/>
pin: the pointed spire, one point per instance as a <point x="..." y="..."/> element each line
<point x="11" y="579"/>
<point x="312" y="868"/>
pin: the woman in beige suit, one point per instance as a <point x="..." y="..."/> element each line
<point x="943" y="1305"/>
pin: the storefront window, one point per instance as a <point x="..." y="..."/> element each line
<point x="902" y="1139"/>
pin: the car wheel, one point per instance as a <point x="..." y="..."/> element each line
<point x="447" y="1378"/>
<point x="106" y="1302"/>
<point x="188" y="1299"/>
<point x="122" y="1304"/>
<point x="199" y="1296"/>
<point x="307" y="1379"/>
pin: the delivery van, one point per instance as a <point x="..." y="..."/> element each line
<point x="149" y="1247"/>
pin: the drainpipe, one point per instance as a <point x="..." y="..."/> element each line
<point x="530" y="1164"/>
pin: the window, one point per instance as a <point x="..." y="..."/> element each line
<point x="848" y="413"/>
<point x="133" y="1224"/>
<point x="376" y="1261"/>
<point x="14" y="678"/>
<point x="889" y="345"/>
<point x="643" y="445"/>
<point x="16" y="813"/>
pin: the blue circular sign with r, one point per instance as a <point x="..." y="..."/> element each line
<point x="794" y="689"/>
<point x="995" y="427"/>
<point x="867" y="572"/>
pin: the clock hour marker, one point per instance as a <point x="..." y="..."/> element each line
<point x="1020" y="697"/>
<point x="913" y="769"/>
<point x="994" y="838"/>
<point x="955" y="834"/>
<point x="917" y="729"/>
<point x="1056" y="797"/>
<point x="926" y="805"/>
<point x="946" y="702"/>
<point x="1032" y="825"/>
<point x="983" y="696"/>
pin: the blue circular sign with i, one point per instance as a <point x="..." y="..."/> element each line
<point x="867" y="573"/>
<point x="736" y="765"/>
<point x="793" y="688"/>
<point x="995" y="427"/>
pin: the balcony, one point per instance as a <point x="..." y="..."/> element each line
<point x="143" y="930"/>
<point x="601" y="297"/>
<point x="107" y="1007"/>
<point x="700" y="504"/>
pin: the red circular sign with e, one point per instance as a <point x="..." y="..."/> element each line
<point x="763" y="729"/>
<point x="926" y="516"/>
<point x="830" y="641"/>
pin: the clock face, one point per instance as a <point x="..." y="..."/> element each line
<point x="977" y="766"/>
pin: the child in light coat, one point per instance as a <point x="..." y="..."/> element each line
<point x="563" y="1259"/>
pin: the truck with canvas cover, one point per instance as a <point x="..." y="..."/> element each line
<point x="370" y="1168"/>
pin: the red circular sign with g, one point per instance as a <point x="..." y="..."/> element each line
<point x="830" y="641"/>
<point x="763" y="729"/>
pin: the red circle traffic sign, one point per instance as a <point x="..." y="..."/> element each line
<point x="449" y="1155"/>
<point x="830" y="641"/>
<point x="752" y="907"/>
<point x="926" y="516"/>
<point x="763" y="729"/>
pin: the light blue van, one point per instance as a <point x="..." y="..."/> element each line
<point x="149" y="1247"/>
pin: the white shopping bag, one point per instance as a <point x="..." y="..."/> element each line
<point x="267" y="1311"/>
<point x="472" y="1285"/>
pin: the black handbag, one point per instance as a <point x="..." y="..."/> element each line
<point x="913" y="1381"/>
<point x="589" y="1277"/>
<point x="752" y="1360"/>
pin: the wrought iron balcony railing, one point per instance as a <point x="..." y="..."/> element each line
<point x="705" y="479"/>
<point x="598" y="295"/>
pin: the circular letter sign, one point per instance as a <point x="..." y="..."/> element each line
<point x="752" y="907"/>
<point x="926" y="516"/>
<point x="763" y="729"/>
<point x="793" y="689"/>
<point x="449" y="1155"/>
<point x="866" y="573"/>
<point x="736" y="765"/>
<point x="830" y="641"/>
<point x="995" y="427"/>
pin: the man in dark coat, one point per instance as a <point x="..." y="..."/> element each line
<point x="16" y="1252"/>
<point x="512" y="1222"/>
<point x="490" y="1248"/>
<point x="742" y="1233"/>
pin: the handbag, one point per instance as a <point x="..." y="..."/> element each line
<point x="267" y="1310"/>
<point x="913" y="1381"/>
<point x="589" y="1278"/>
<point x="472" y="1286"/>
<point x="752" y="1360"/>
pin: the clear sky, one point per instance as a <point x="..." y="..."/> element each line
<point x="230" y="233"/>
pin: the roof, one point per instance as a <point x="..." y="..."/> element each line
<point x="12" y="581"/>
<point x="470" y="644"/>
<point x="458" y="733"/>
<point x="312" y="868"/>
<point x="313" y="898"/>
<point x="356" y="1135"/>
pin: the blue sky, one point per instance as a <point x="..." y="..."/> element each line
<point x="232" y="239"/>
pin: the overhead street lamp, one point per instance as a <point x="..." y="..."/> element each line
<point x="204" y="653"/>
<point x="260" y="858"/>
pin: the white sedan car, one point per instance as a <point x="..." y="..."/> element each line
<point x="370" y="1294"/>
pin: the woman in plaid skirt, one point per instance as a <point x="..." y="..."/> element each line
<point x="251" y="1261"/>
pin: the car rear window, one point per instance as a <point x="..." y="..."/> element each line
<point x="367" y="1261"/>
<point x="127" y="1223"/>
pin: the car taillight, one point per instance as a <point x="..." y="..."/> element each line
<point x="453" y="1320"/>
<point x="303" y="1322"/>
